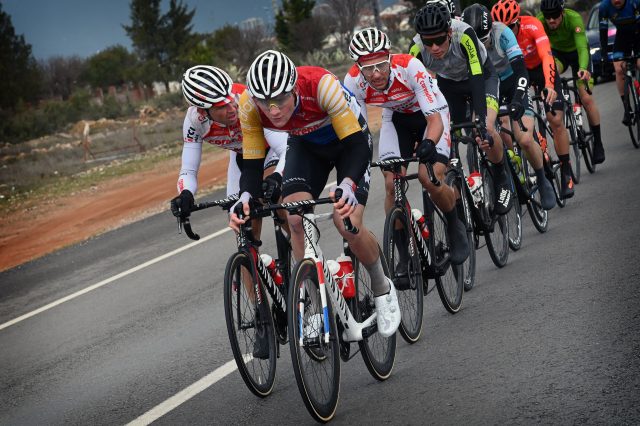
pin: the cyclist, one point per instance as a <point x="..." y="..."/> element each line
<point x="570" y="47"/>
<point x="534" y="44"/>
<point x="414" y="112"/>
<point x="213" y="117"/>
<point x="450" y="49"/>
<point x="506" y="56"/>
<point x="625" y="15"/>
<point x="325" y="130"/>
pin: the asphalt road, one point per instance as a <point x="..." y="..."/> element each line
<point x="554" y="337"/>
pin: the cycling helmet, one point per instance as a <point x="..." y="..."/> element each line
<point x="478" y="17"/>
<point x="449" y="3"/>
<point x="271" y="74"/>
<point x="552" y="5"/>
<point x="433" y="18"/>
<point x="368" y="41"/>
<point x="506" y="11"/>
<point x="204" y="86"/>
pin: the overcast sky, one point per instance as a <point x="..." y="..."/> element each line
<point x="84" y="27"/>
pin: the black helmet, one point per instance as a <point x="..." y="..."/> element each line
<point x="433" y="18"/>
<point x="478" y="17"/>
<point x="552" y="5"/>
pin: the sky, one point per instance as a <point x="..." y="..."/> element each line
<point x="84" y="27"/>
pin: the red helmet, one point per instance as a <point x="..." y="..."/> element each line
<point x="506" y="11"/>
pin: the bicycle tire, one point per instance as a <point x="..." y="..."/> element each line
<point x="539" y="216"/>
<point x="257" y="374"/>
<point x="457" y="181"/>
<point x="574" y="149"/>
<point x="515" y="226"/>
<point x="378" y="353"/>
<point x="316" y="364"/>
<point x="557" y="184"/>
<point x="586" y="145"/>
<point x="449" y="280"/>
<point x="629" y="90"/>
<point x="497" y="245"/>
<point x="636" y="119"/>
<point x="411" y="298"/>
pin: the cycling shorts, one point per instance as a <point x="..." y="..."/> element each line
<point x="564" y="60"/>
<point x="309" y="164"/>
<point x="507" y="91"/>
<point x="626" y="44"/>
<point x="400" y="134"/>
<point x="537" y="81"/>
<point x="234" y="170"/>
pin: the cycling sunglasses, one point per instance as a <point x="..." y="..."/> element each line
<point x="438" y="41"/>
<point x="277" y="102"/>
<point x="381" y="67"/>
<point x="552" y="15"/>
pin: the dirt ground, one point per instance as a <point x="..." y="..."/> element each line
<point x="73" y="219"/>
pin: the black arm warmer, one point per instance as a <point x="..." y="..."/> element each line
<point x="251" y="177"/>
<point x="604" y="43"/>
<point x="520" y="72"/>
<point x="355" y="158"/>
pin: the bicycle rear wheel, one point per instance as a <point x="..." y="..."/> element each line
<point x="245" y="323"/>
<point x="514" y="220"/>
<point x="634" y="104"/>
<point x="556" y="176"/>
<point x="449" y="278"/>
<point x="378" y="353"/>
<point x="539" y="216"/>
<point x="575" y="155"/>
<point x="586" y="145"/>
<point x="316" y="363"/>
<point x="398" y="233"/>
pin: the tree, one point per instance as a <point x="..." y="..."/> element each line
<point x="346" y="14"/>
<point x="145" y="27"/>
<point x="61" y="74"/>
<point x="293" y="13"/>
<point x="113" y="66"/>
<point x="178" y="39"/>
<point x="21" y="77"/>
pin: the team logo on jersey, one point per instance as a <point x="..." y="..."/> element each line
<point x="578" y="29"/>
<point x="420" y="76"/>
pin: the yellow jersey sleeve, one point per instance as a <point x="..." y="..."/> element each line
<point x="254" y="144"/>
<point x="333" y="99"/>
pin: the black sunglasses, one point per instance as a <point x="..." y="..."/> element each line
<point x="552" y="15"/>
<point x="436" y="40"/>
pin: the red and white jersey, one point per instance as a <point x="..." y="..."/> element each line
<point x="199" y="128"/>
<point x="410" y="88"/>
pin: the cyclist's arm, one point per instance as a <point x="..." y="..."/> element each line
<point x="351" y="84"/>
<point x="333" y="99"/>
<point x="581" y="42"/>
<point x="191" y="156"/>
<point x="510" y="46"/>
<point x="278" y="142"/>
<point x="470" y="48"/>
<point x="603" y="18"/>
<point x="253" y="147"/>
<point x="427" y="98"/>
<point x="544" y="52"/>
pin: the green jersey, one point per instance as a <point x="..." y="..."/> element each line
<point x="569" y="36"/>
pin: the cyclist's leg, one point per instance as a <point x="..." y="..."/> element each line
<point x="622" y="46"/>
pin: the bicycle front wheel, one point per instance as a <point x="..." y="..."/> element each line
<point x="514" y="220"/>
<point x="247" y="324"/>
<point x="449" y="278"/>
<point x="401" y="250"/>
<point x="498" y="241"/>
<point x="378" y="353"/>
<point x="586" y="145"/>
<point x="316" y="362"/>
<point x="634" y="104"/>
<point x="575" y="155"/>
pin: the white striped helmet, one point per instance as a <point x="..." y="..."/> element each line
<point x="204" y="86"/>
<point x="368" y="41"/>
<point x="271" y="74"/>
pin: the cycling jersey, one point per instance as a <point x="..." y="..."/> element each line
<point x="198" y="128"/>
<point x="464" y="62"/>
<point x="503" y="49"/>
<point x="536" y="49"/>
<point x="570" y="36"/>
<point x="410" y="90"/>
<point x="627" y="22"/>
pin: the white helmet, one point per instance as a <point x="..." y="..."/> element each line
<point x="271" y="74"/>
<point x="368" y="41"/>
<point x="204" y="86"/>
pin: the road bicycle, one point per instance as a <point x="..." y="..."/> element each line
<point x="632" y="96"/>
<point x="581" y="140"/>
<point x="494" y="228"/>
<point x="323" y="324"/>
<point x="525" y="187"/>
<point x="249" y="314"/>
<point x="416" y="246"/>
<point x="541" y="134"/>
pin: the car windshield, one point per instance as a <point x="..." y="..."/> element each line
<point x="593" y="19"/>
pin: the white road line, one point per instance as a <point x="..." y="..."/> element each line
<point x="111" y="279"/>
<point x="184" y="395"/>
<point x="118" y="276"/>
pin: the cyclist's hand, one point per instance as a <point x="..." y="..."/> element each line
<point x="426" y="151"/>
<point x="484" y="139"/>
<point x="241" y="206"/>
<point x="551" y="96"/>
<point x="181" y="205"/>
<point x="516" y="111"/>
<point x="348" y="201"/>
<point x="272" y="187"/>
<point x="584" y="75"/>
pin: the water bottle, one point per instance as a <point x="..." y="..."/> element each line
<point x="272" y="268"/>
<point x="577" y="112"/>
<point x="474" y="181"/>
<point x="343" y="275"/>
<point x="422" y="223"/>
<point x="516" y="161"/>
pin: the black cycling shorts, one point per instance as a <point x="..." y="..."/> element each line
<point x="537" y="80"/>
<point x="410" y="129"/>
<point x="507" y="91"/>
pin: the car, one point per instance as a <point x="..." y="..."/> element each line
<point x="593" y="35"/>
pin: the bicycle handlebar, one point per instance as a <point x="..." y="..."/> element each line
<point x="391" y="164"/>
<point x="566" y="80"/>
